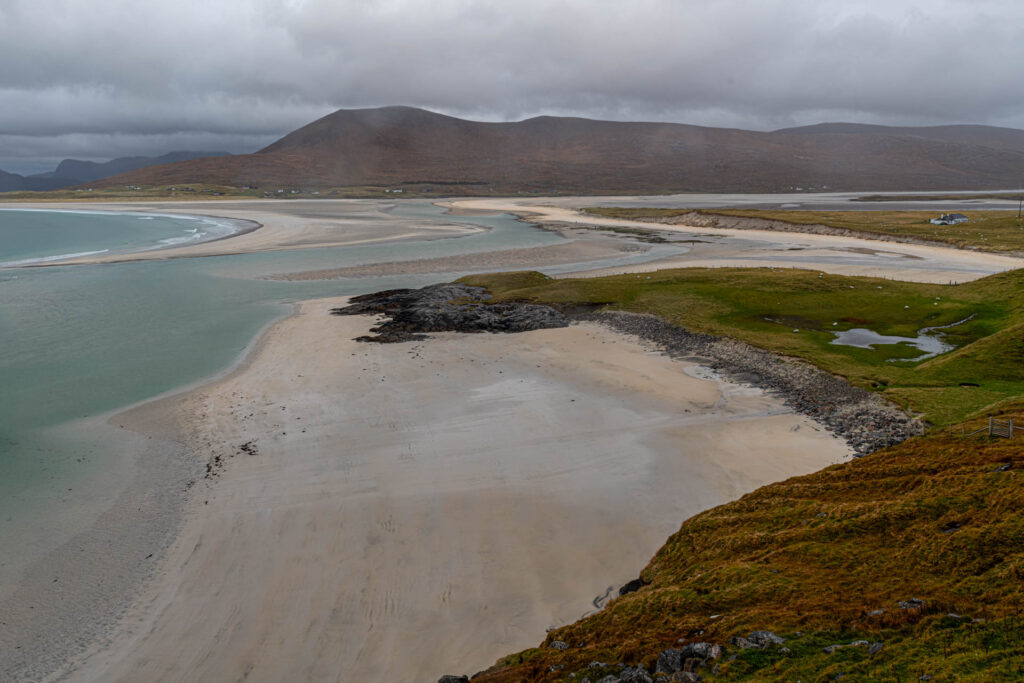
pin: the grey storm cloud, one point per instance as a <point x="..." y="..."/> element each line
<point x="103" y="79"/>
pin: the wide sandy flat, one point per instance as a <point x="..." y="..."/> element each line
<point x="910" y="262"/>
<point x="424" y="508"/>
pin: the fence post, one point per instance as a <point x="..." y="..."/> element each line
<point x="991" y="426"/>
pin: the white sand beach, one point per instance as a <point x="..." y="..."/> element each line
<point x="407" y="510"/>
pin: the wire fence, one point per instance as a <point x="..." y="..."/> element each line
<point x="995" y="427"/>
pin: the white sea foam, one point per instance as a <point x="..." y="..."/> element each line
<point x="192" y="236"/>
<point x="55" y="257"/>
<point x="215" y="228"/>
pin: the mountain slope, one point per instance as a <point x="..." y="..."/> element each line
<point x="406" y="146"/>
<point x="75" y="172"/>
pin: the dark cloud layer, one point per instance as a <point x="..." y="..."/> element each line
<point x="96" y="80"/>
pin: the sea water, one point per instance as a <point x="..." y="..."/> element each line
<point x="32" y="236"/>
<point x="82" y="341"/>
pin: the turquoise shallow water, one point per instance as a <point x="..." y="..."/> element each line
<point x="84" y="340"/>
<point x="85" y="504"/>
<point x="34" y="236"/>
<point x="81" y="341"/>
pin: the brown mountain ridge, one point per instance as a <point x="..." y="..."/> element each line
<point x="404" y="146"/>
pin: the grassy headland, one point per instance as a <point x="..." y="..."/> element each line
<point x="999" y="231"/>
<point x="815" y="558"/>
<point x="797" y="312"/>
<point x="939" y="518"/>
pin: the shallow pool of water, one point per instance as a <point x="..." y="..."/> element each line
<point x="926" y="342"/>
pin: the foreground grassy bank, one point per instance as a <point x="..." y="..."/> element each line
<point x="938" y="518"/>
<point x="999" y="231"/>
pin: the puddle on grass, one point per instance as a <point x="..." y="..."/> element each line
<point x="927" y="340"/>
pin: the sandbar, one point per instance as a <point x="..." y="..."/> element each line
<point x="930" y="263"/>
<point x="283" y="224"/>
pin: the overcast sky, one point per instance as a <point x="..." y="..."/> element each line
<point x="99" y="79"/>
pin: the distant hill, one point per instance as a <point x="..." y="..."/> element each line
<point x="12" y="182"/>
<point x="988" y="136"/>
<point x="72" y="172"/>
<point x="403" y="146"/>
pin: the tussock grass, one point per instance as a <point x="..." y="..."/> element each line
<point x="813" y="556"/>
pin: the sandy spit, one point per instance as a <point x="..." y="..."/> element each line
<point x="577" y="251"/>
<point x="284" y="224"/>
<point x="933" y="263"/>
<point x="396" y="512"/>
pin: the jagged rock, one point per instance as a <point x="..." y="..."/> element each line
<point x="632" y="586"/>
<point x="829" y="649"/>
<point x="743" y="644"/>
<point x="875" y="648"/>
<point x="703" y="650"/>
<point x="447" y="308"/>
<point x="559" y="645"/>
<point x="912" y="603"/>
<point x="685" y="677"/>
<point x="876" y="613"/>
<point x="765" y="638"/>
<point x="687" y="658"/>
<point x="609" y="679"/>
<point x="669" y="661"/>
<point x="453" y="679"/>
<point x="635" y="675"/>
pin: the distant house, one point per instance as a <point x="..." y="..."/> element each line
<point x="949" y="219"/>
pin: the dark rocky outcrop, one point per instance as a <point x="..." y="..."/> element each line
<point x="447" y="308"/>
<point x="632" y="586"/>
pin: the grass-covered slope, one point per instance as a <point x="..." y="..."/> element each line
<point x="986" y="230"/>
<point x="939" y="518"/>
<point x="796" y="312"/>
<point x="813" y="558"/>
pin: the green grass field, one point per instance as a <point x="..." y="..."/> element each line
<point x="986" y="230"/>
